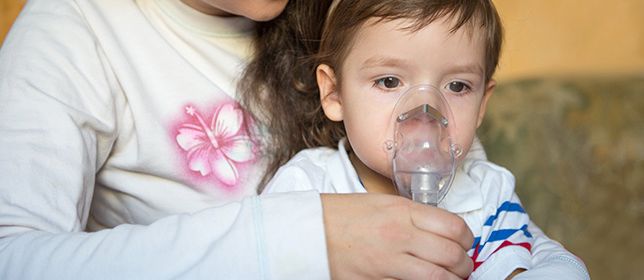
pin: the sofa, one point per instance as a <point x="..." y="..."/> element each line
<point x="576" y="148"/>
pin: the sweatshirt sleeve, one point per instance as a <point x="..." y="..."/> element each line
<point x="57" y="125"/>
<point x="257" y="238"/>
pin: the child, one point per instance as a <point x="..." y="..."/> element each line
<point x="124" y="153"/>
<point x="370" y="54"/>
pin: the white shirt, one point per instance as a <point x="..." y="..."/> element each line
<point x="482" y="194"/>
<point x="119" y="118"/>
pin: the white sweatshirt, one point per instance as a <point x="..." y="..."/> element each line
<point x="124" y="155"/>
<point x="482" y="194"/>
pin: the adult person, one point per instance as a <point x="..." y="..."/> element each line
<point x="124" y="154"/>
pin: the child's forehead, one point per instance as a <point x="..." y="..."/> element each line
<point x="444" y="27"/>
<point x="412" y="25"/>
<point x="393" y="43"/>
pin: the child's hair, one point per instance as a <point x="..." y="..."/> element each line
<point x="280" y="87"/>
<point x="349" y="15"/>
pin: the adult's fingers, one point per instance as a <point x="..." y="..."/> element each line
<point x="371" y="236"/>
<point x="443" y="223"/>
<point x="442" y="252"/>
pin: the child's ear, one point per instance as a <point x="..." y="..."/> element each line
<point x="329" y="97"/>
<point x="489" y="89"/>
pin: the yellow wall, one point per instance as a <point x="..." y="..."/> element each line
<point x="544" y="37"/>
<point x="8" y="11"/>
<point x="564" y="37"/>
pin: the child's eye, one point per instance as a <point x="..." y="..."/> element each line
<point x="458" y="87"/>
<point x="388" y="82"/>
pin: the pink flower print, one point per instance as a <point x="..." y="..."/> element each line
<point x="215" y="148"/>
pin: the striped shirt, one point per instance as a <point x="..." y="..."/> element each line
<point x="482" y="194"/>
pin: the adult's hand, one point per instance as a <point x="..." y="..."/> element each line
<point x="377" y="236"/>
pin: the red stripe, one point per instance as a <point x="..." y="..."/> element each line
<point x="504" y="244"/>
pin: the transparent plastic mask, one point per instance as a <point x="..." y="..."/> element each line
<point x="423" y="152"/>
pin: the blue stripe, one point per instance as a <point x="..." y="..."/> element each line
<point x="505" y="207"/>
<point x="524" y="228"/>
<point x="501" y="234"/>
<point x="477" y="240"/>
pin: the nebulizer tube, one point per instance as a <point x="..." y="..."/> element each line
<point x="423" y="152"/>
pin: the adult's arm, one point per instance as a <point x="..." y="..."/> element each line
<point x="59" y="111"/>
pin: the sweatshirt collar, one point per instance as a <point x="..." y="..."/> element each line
<point x="204" y="24"/>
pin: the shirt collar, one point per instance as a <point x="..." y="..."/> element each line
<point x="343" y="174"/>
<point x="464" y="196"/>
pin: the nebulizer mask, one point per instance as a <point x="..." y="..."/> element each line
<point x="423" y="151"/>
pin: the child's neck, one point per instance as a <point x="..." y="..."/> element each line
<point x="372" y="181"/>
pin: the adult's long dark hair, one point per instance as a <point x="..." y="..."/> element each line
<point x="279" y="87"/>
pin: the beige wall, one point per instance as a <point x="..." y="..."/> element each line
<point x="563" y="37"/>
<point x="544" y="37"/>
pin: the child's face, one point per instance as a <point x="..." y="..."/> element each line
<point x="384" y="61"/>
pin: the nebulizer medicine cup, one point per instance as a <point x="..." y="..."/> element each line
<point x="422" y="149"/>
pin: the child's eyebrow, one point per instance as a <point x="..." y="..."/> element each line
<point x="466" y="68"/>
<point x="383" y="61"/>
<point x="388" y="61"/>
